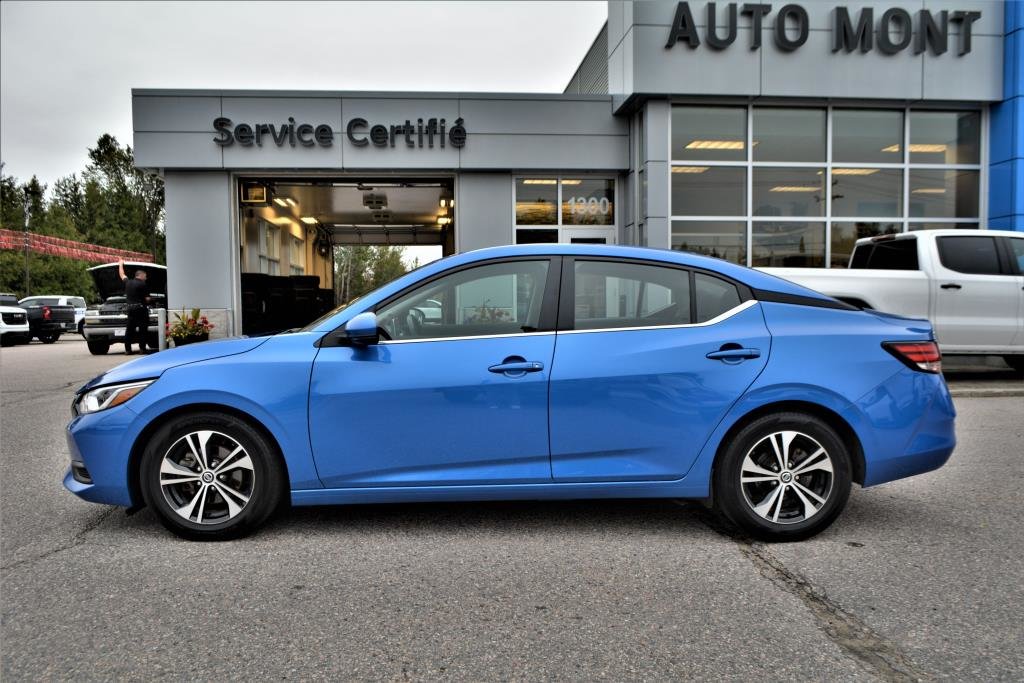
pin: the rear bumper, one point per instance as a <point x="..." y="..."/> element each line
<point x="913" y="422"/>
<point x="97" y="332"/>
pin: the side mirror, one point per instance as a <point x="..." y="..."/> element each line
<point x="362" y="329"/>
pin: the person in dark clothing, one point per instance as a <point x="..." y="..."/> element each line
<point x="137" y="294"/>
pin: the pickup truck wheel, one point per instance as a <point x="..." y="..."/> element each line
<point x="97" y="348"/>
<point x="211" y="476"/>
<point x="6" y="340"/>
<point x="49" y="338"/>
<point x="81" y="328"/>
<point x="1015" y="362"/>
<point x="784" y="477"/>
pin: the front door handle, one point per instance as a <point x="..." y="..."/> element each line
<point x="950" y="285"/>
<point x="734" y="355"/>
<point x="516" y="368"/>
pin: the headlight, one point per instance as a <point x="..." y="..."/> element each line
<point x="107" y="397"/>
<point x="92" y="313"/>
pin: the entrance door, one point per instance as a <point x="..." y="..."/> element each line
<point x="457" y="395"/>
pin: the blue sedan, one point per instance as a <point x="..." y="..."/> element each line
<point x="529" y="372"/>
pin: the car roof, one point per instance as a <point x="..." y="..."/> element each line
<point x="942" y="232"/>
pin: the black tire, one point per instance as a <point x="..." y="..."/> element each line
<point x="6" y="340"/>
<point x="1015" y="362"/>
<point x="49" y="338"/>
<point x="265" y="483"/>
<point x="81" y="328"/>
<point x="97" y="348"/>
<point x="737" y="502"/>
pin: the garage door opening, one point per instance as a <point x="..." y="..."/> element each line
<point x="308" y="244"/>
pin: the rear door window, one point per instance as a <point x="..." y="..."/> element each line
<point x="610" y="294"/>
<point x="973" y="254"/>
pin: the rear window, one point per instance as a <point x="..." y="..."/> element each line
<point x="886" y="255"/>
<point x="42" y="301"/>
<point x="972" y="254"/>
<point x="77" y="302"/>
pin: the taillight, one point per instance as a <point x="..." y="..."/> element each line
<point x="923" y="356"/>
<point x="46" y="312"/>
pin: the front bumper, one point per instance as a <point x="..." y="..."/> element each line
<point x="16" y="330"/>
<point x="111" y="333"/>
<point x="100" y="445"/>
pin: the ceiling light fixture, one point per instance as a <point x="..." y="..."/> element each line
<point x="280" y="201"/>
<point x="540" y="181"/>
<point x="929" y="190"/>
<point x="918" y="147"/>
<point x="308" y="220"/>
<point x="689" y="169"/>
<point x="795" y="188"/>
<point x="716" y="144"/>
<point x="571" y="182"/>
<point x="853" y="171"/>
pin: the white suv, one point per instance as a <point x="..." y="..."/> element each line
<point x="13" y="322"/>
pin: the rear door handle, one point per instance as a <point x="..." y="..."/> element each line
<point x="734" y="355"/>
<point x="517" y="368"/>
<point x="950" y="285"/>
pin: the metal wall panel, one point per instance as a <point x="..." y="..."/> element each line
<point x="199" y="230"/>
<point x="483" y="210"/>
<point x="174" y="114"/>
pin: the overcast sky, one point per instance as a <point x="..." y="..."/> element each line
<point x="67" y="69"/>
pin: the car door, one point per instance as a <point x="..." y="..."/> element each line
<point x="649" y="359"/>
<point x="1015" y="249"/>
<point x="454" y="396"/>
<point x="976" y="297"/>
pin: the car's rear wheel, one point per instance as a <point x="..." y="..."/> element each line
<point x="81" y="327"/>
<point x="784" y="477"/>
<point x="211" y="476"/>
<point x="97" y="348"/>
<point x="49" y="338"/>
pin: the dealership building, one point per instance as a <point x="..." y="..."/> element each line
<point x="764" y="134"/>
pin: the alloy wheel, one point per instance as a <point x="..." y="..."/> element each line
<point x="787" y="477"/>
<point x="207" y="477"/>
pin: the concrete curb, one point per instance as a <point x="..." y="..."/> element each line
<point x="985" y="393"/>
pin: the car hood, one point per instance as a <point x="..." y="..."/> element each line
<point x="154" y="365"/>
<point x="109" y="283"/>
<point x="11" y="309"/>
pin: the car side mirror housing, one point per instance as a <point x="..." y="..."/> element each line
<point x="362" y="330"/>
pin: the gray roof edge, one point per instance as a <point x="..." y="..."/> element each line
<point x="365" y="94"/>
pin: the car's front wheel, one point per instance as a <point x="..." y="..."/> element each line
<point x="784" y="477"/>
<point x="211" y="476"/>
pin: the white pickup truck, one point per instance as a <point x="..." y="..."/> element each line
<point x="969" y="284"/>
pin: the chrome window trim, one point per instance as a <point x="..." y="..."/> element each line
<point x="467" y="337"/>
<point x="735" y="310"/>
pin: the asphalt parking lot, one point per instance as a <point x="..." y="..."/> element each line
<point x="919" y="579"/>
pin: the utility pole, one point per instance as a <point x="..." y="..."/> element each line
<point x="28" y="206"/>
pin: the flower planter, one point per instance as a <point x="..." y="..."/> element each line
<point x="190" y="340"/>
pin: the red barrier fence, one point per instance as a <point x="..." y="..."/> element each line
<point x="56" y="246"/>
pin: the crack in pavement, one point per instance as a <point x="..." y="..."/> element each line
<point x="77" y="539"/>
<point x="854" y="637"/>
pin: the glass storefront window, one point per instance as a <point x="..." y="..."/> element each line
<point x="720" y="239"/>
<point x="845" y="235"/>
<point x="943" y="194"/>
<point x="543" y="236"/>
<point x="862" y="136"/>
<point x="588" y="201"/>
<point x="945" y="137"/>
<point x="789" y="192"/>
<point x="943" y="226"/>
<point x="865" y="192"/>
<point x="709" y="191"/>
<point x="709" y="133"/>
<point x="537" y="201"/>
<point x="789" y="134"/>
<point x="789" y="245"/>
